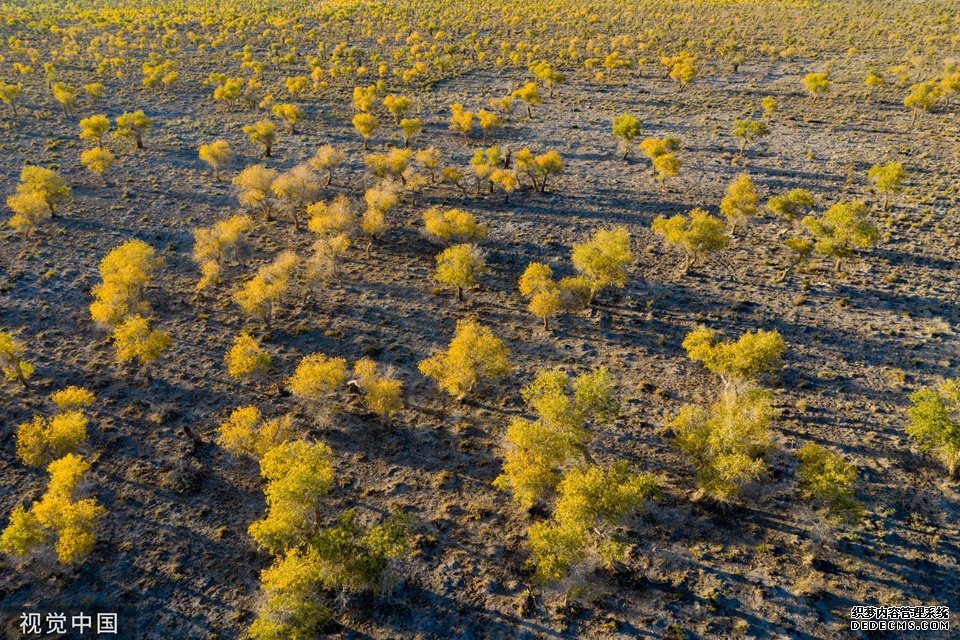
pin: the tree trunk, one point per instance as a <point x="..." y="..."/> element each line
<point x="22" y="378"/>
<point x="460" y="294"/>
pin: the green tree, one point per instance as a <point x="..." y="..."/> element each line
<point x="748" y="131"/>
<point x="888" y="179"/>
<point x="697" y="233"/>
<point x="825" y="477"/>
<point x="626" y="128"/>
<point x="459" y="266"/>
<point x="604" y="259"/>
<point x="474" y="354"/>
<point x="841" y="230"/>
<point x="739" y="204"/>
<point x="738" y="362"/>
<point x="934" y="425"/>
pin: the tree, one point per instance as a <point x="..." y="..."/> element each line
<point x="135" y="340"/>
<point x="381" y="393"/>
<point x="539" y="168"/>
<point x="365" y="124"/>
<point x="263" y="133"/>
<point x="461" y="120"/>
<point x="800" y="249"/>
<point x="38" y="194"/>
<point x="332" y="218"/>
<point x="294" y="189"/>
<point x="263" y="292"/>
<point x="792" y="205"/>
<point x="770" y="106"/>
<point x="246" y="359"/>
<point x="740" y="362"/>
<point x="662" y="155"/>
<point x="12" y="361"/>
<point x="98" y="161"/>
<point x="452" y="226"/>
<point x="72" y="398"/>
<point x="537" y="285"/>
<point x="592" y="501"/>
<point x="545" y="73"/>
<point x="125" y="272"/>
<point x="697" y="233"/>
<point x="626" y="128"/>
<point x="325" y="160"/>
<point x="133" y="125"/>
<point x="825" y="477"/>
<point x="289" y="112"/>
<point x="489" y="122"/>
<point x="604" y="258"/>
<point x="391" y="165"/>
<point x="245" y="433"/>
<point x="65" y="95"/>
<point x="841" y="230"/>
<point x="410" y="128"/>
<point x="58" y="518"/>
<point x="397" y="105"/>
<point x="9" y="94"/>
<point x="748" y="131"/>
<point x="537" y="451"/>
<point x="212" y="246"/>
<point x="530" y="96"/>
<point x="485" y="162"/>
<point x="254" y="184"/>
<point x="217" y="154"/>
<point x="458" y="266"/>
<point x="474" y="354"/>
<point x="94" y="128"/>
<point x="923" y="97"/>
<point x="888" y="179"/>
<point x="726" y="443"/>
<point x="317" y="376"/>
<point x="934" y="425"/>
<point x="298" y="475"/>
<point x="43" y="440"/>
<point x="739" y="204"/>
<point x="816" y="84"/>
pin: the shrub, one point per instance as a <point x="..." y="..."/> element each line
<point x="94" y="128"/>
<point x="740" y="202"/>
<point x="244" y="433"/>
<point x="217" y="154"/>
<point x="397" y="105"/>
<point x="133" y="125"/>
<point x="65" y="95"/>
<point x="317" y="376"/>
<point x="604" y="258"/>
<point x="410" y="128"/>
<point x="626" y="128"/>
<point x="697" y="233"/>
<point x="770" y="106"/>
<point x="125" y="272"/>
<point x="246" y="359"/>
<point x="736" y="362"/>
<point x="263" y="292"/>
<point x="474" y="354"/>
<point x="662" y="155"/>
<point x="888" y="180"/>
<point x="72" y="398"/>
<point x="923" y="97"/>
<point x="381" y="393"/>
<point x="816" y="84"/>
<point x="459" y="266"/>
<point x="452" y="225"/>
<point x="392" y="164"/>
<point x="489" y="122"/>
<point x="298" y="475"/>
<point x="263" y="133"/>
<point x="682" y="68"/>
<point x="12" y="364"/>
<point x="934" y="425"/>
<point x="726" y="444"/>
<point x="545" y="73"/>
<point x="9" y="93"/>
<point x="212" y="245"/>
<point x="592" y="502"/>
<point x="826" y="477"/>
<point x="841" y="230"/>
